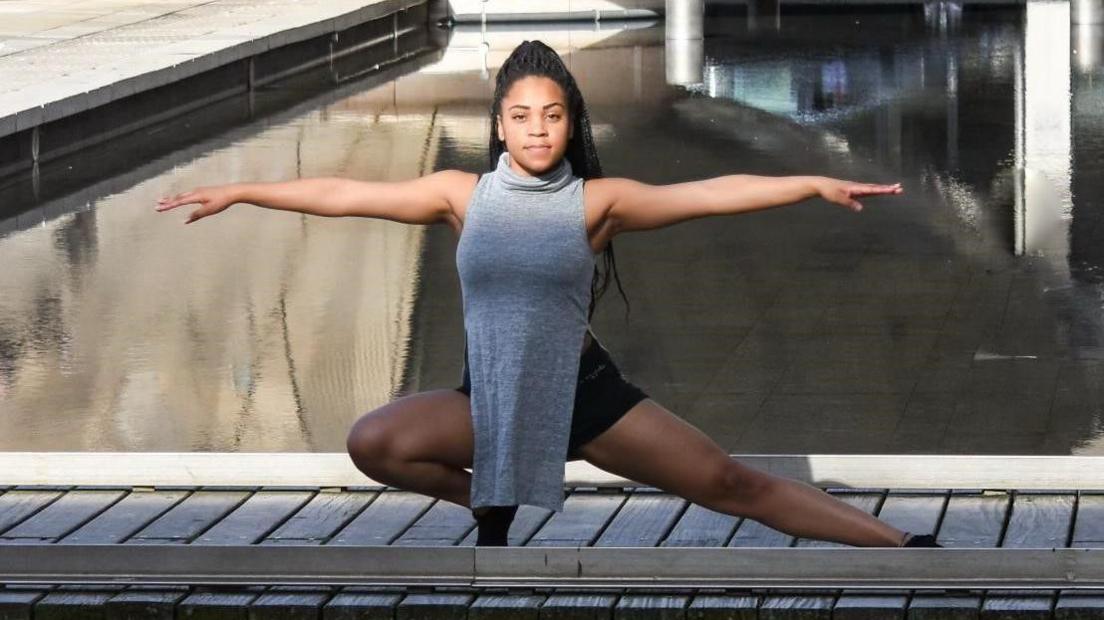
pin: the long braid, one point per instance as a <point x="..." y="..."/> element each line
<point x="536" y="58"/>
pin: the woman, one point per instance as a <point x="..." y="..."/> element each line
<point x="538" y="387"/>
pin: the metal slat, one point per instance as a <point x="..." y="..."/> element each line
<point x="586" y="567"/>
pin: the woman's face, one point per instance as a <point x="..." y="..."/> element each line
<point x="534" y="124"/>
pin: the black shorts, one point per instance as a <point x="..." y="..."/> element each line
<point x="602" y="396"/>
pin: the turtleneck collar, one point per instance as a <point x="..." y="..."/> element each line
<point x="553" y="180"/>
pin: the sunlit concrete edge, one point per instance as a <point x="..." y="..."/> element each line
<point x="864" y="471"/>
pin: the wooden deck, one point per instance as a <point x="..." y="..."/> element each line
<point x="593" y="516"/>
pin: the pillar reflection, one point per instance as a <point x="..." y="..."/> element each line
<point x="685" y="45"/>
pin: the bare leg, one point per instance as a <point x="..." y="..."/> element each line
<point x="421" y="443"/>
<point x="653" y="446"/>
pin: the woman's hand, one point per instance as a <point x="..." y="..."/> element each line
<point x="211" y="200"/>
<point x="845" y="192"/>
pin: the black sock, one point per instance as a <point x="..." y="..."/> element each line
<point x="494" y="525"/>
<point x="921" y="540"/>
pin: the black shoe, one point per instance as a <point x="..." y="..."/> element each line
<point x="923" y="540"/>
<point x="493" y="525"/>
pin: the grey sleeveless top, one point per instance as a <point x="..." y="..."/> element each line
<point x="525" y="267"/>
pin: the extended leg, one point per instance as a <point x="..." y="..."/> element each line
<point x="653" y="446"/>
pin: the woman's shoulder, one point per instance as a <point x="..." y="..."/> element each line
<point x="458" y="186"/>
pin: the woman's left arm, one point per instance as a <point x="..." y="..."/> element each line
<point x="638" y="206"/>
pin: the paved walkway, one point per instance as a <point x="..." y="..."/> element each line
<point x="58" y="58"/>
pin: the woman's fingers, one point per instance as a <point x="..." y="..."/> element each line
<point x="868" y="189"/>
<point x="165" y="203"/>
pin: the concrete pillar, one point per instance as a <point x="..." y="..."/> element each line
<point x="685" y="45"/>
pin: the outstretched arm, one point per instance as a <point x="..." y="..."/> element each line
<point x="423" y="200"/>
<point x="638" y="206"/>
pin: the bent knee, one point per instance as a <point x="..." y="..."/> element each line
<point x="742" y="484"/>
<point x="370" y="440"/>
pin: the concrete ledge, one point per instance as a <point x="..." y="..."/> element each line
<point x="57" y="98"/>
<point x="336" y="470"/>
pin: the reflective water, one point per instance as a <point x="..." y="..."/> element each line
<point x="962" y="317"/>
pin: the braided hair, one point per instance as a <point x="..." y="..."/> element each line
<point x="534" y="58"/>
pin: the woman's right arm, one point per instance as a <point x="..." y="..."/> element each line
<point x="429" y="199"/>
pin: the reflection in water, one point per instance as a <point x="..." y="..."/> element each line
<point x="964" y="317"/>
<point x="253" y="331"/>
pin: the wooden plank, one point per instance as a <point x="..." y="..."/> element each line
<point x="326" y="513"/>
<point x="214" y="604"/>
<point x="579" y="605"/>
<point x="312" y="524"/>
<point x="858" y="605"/>
<point x="154" y="602"/>
<point x="506" y="606"/>
<point x="582" y="520"/>
<point x="528" y="520"/>
<point x="363" y="603"/>
<point x="1075" y="605"/>
<point x="731" y="606"/>
<point x="436" y="606"/>
<point x="75" y="603"/>
<point x="866" y="501"/>
<point x="752" y="533"/>
<point x="936" y="606"/>
<point x="921" y="513"/>
<point x="1040" y="520"/>
<point x="1017" y="604"/>
<point x="445" y="523"/>
<point x="1088" y="529"/>
<point x="1037" y="520"/>
<point x="854" y="605"/>
<point x="658" y="606"/>
<point x="701" y="527"/>
<point x="259" y="515"/>
<point x="110" y="526"/>
<point x="799" y="605"/>
<point x="189" y="518"/>
<point x="867" y="605"/>
<point x="18" y="505"/>
<point x="643" y="520"/>
<point x="916" y="512"/>
<point x="125" y="517"/>
<point x="64" y="515"/>
<point x="18" y="603"/>
<point x="813" y="606"/>
<point x="384" y="520"/>
<point x="974" y="519"/>
<point x="290" y="603"/>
